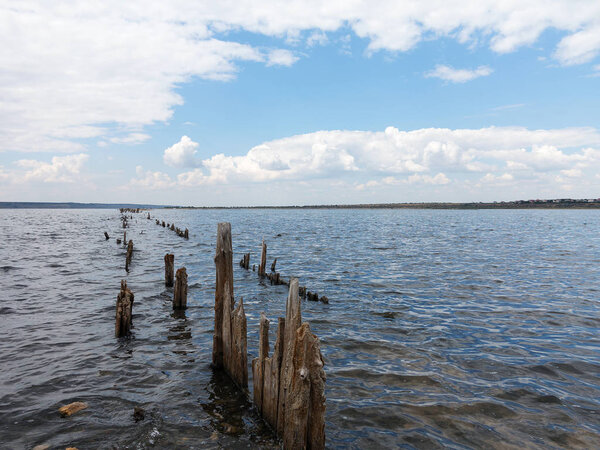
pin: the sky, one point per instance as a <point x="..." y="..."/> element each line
<point x="301" y="102"/>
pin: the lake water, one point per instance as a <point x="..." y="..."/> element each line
<point x="463" y="329"/>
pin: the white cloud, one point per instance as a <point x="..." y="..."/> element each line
<point x="151" y="180"/>
<point x="181" y="154"/>
<point x="132" y="138"/>
<point x="281" y="57"/>
<point x="497" y="179"/>
<point x="127" y="59"/>
<point x="417" y="154"/>
<point x="448" y="73"/>
<point x="62" y="169"/>
<point x="579" y="47"/>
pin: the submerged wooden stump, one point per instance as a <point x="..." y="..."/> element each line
<point x="180" y="293"/>
<point x="263" y="260"/>
<point x="169" y="268"/>
<point x="124" y="311"/>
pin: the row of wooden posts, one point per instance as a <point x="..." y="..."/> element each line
<point x="289" y="385"/>
<point x="171" y="226"/>
<point x="275" y="277"/>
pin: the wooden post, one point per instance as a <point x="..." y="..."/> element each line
<point x="124" y="311"/>
<point x="169" y="267"/>
<point x="273" y="265"/>
<point x="163" y="223"/>
<point x="172" y="227"/>
<point x="239" y="361"/>
<point x="263" y="260"/>
<point x="180" y="294"/>
<point x="124" y="237"/>
<point x="305" y="401"/>
<point x="106" y="236"/>
<point x="148" y="216"/>
<point x="224" y="266"/>
<point x="293" y="320"/>
<point x="258" y="364"/>
<point x="129" y="253"/>
<point x="270" y="393"/>
<point x="186" y="234"/>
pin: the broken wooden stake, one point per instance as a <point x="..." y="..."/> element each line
<point x="263" y="260"/>
<point x="106" y="236"/>
<point x="118" y="241"/>
<point x="180" y="294"/>
<point x="186" y="234"/>
<point x="273" y="265"/>
<point x="258" y="364"/>
<point x="124" y="311"/>
<point x="224" y="277"/>
<point x="245" y="261"/>
<point x="169" y="268"/>
<point x="128" y="255"/>
<point x="289" y="387"/>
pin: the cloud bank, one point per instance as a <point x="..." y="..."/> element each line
<point x="366" y="159"/>
<point x="72" y="71"/>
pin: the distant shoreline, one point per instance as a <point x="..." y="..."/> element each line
<point x="518" y="204"/>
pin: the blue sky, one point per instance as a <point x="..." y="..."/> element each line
<point x="242" y="105"/>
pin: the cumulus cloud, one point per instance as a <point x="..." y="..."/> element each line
<point x="62" y="169"/>
<point x="128" y="59"/>
<point x="422" y="156"/>
<point x="150" y="180"/>
<point x="181" y="154"/>
<point x="453" y="75"/>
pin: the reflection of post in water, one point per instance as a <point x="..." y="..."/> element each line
<point x="230" y="410"/>
<point x="181" y="331"/>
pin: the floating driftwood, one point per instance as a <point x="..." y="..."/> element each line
<point x="180" y="292"/>
<point x="169" y="268"/>
<point x="72" y="408"/>
<point x="124" y="311"/>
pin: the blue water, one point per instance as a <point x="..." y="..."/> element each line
<point x="463" y="329"/>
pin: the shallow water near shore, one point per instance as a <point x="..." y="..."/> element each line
<point x="462" y="329"/>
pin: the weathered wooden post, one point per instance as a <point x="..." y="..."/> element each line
<point x="186" y="234"/>
<point x="106" y="236"/>
<point x="129" y="254"/>
<point x="124" y="311"/>
<point x="124" y="237"/>
<point x="270" y="391"/>
<point x="169" y="268"/>
<point x="163" y="223"/>
<point x="258" y="364"/>
<point x="293" y="320"/>
<point x="263" y="260"/>
<point x="273" y="265"/>
<point x="224" y="278"/>
<point x="180" y="294"/>
<point x="148" y="216"/>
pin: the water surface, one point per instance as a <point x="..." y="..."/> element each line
<point x="463" y="329"/>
